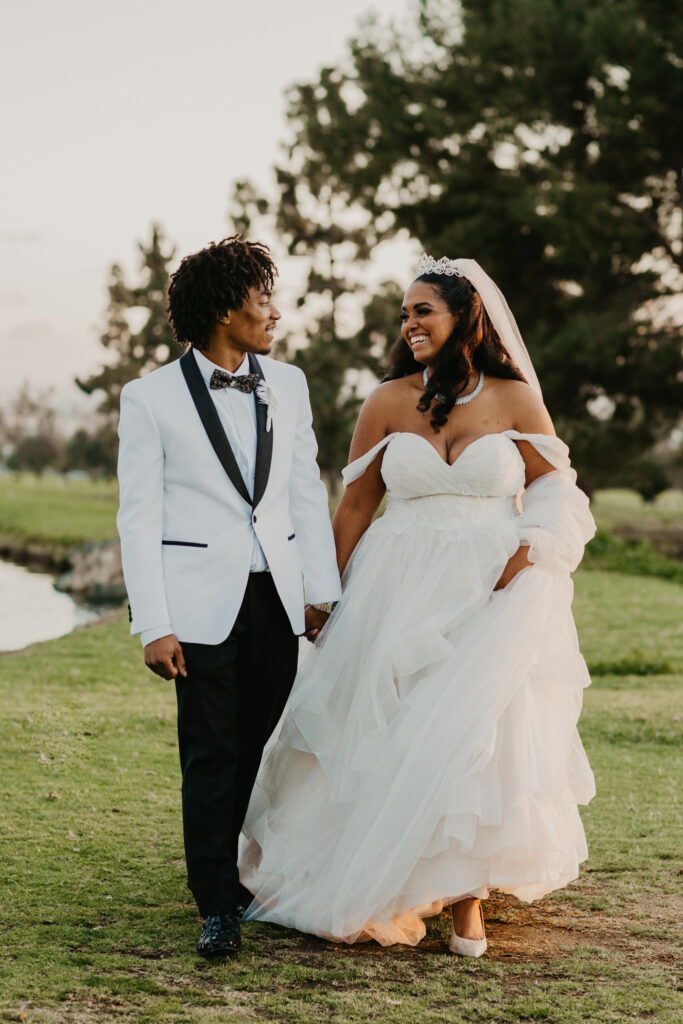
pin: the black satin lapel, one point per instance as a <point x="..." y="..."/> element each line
<point x="264" y="439"/>
<point x="211" y="422"/>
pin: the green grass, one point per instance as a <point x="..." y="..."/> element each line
<point x="654" y="528"/>
<point x="636" y="557"/>
<point x="98" y="924"/>
<point x="54" y="508"/>
<point x="55" y="512"/>
<point x="617" y="507"/>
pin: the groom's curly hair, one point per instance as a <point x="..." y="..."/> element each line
<point x="473" y="345"/>
<point x="211" y="282"/>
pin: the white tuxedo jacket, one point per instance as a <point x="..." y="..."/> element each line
<point x="186" y="515"/>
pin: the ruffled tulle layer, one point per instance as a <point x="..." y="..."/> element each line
<point x="429" y="750"/>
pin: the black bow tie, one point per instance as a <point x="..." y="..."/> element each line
<point x="246" y="382"/>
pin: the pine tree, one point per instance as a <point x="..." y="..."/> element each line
<point x="538" y="137"/>
<point x="135" y="350"/>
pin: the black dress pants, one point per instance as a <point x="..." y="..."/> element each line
<point x="228" y="706"/>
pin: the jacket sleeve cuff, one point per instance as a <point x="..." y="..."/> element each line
<point x="148" y="636"/>
<point x="323" y="594"/>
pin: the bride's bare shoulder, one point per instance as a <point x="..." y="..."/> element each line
<point x="522" y="406"/>
<point x="380" y="413"/>
<point x="390" y="395"/>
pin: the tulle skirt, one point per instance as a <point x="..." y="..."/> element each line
<point x="429" y="750"/>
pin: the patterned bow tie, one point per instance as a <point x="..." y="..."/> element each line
<point x="246" y="382"/>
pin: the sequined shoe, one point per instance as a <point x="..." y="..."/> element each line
<point x="220" y="935"/>
<point x="468" y="947"/>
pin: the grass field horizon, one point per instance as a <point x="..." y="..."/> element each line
<point x="55" y="512"/>
<point x="50" y="515"/>
<point x="59" y="509"/>
<point x="99" y="926"/>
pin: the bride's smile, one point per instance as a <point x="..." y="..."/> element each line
<point x="426" y="321"/>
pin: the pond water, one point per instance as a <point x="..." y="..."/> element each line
<point x="31" y="609"/>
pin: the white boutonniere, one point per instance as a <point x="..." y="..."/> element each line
<point x="266" y="395"/>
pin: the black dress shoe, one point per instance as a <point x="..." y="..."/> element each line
<point x="220" y="935"/>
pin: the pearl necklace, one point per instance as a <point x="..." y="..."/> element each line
<point x="464" y="399"/>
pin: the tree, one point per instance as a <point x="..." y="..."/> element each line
<point x="28" y="414"/>
<point x="29" y="435"/>
<point x="537" y="136"/>
<point x="94" y="453"/>
<point x="137" y="334"/>
<point x="36" y="453"/>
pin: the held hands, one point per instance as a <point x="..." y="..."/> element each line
<point x="165" y="657"/>
<point x="315" y="620"/>
<point x="518" y="562"/>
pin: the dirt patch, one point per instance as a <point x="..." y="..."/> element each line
<point x="516" y="932"/>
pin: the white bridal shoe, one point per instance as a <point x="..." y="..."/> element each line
<point x="468" y="947"/>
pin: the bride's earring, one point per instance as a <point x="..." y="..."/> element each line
<point x="467" y="947"/>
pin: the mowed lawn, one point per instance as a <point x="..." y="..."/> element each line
<point x="56" y="512"/>
<point x="619" y="507"/>
<point x="97" y="924"/>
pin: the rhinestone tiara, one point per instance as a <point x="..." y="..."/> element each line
<point x="428" y="265"/>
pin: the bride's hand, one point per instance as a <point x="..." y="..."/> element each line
<point x="518" y="562"/>
<point x="315" y="620"/>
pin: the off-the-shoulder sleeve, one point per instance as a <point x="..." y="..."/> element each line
<point x="556" y="521"/>
<point x="550" y="447"/>
<point x="356" y="468"/>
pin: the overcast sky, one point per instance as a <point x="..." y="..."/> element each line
<point x="118" y="114"/>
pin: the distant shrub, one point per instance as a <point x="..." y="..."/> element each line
<point x="645" y="476"/>
<point x="634" y="665"/>
<point x="635" y="557"/>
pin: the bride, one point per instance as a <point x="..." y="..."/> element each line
<point x="429" y="754"/>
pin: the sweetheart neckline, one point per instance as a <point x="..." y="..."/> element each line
<point x="450" y="465"/>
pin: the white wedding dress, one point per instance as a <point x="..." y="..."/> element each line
<point x="429" y="748"/>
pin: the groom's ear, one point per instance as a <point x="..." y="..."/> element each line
<point x="225" y="320"/>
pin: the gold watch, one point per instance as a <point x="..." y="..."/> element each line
<point x="325" y="606"/>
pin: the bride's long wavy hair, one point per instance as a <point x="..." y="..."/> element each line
<point x="473" y="345"/>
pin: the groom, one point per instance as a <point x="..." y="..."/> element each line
<point x="225" y="533"/>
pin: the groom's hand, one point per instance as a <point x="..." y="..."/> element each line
<point x="165" y="657"/>
<point x="315" y="620"/>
